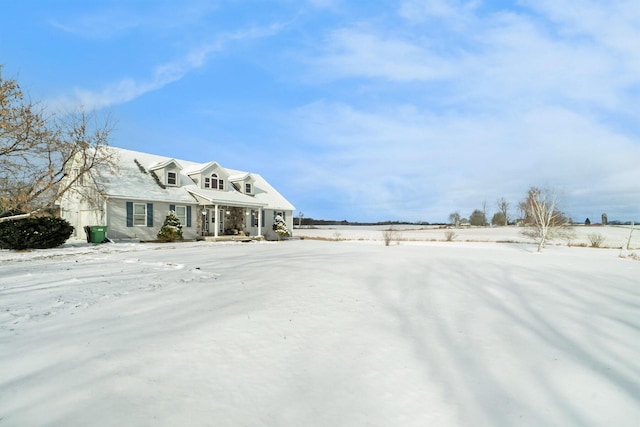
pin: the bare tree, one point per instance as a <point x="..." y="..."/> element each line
<point x="454" y="218"/>
<point x="484" y="212"/>
<point x="542" y="215"/>
<point x="633" y="226"/>
<point x="36" y="151"/>
<point x="503" y="208"/>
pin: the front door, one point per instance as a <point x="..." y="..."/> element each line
<point x="205" y="221"/>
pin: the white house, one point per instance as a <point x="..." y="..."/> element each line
<point x="133" y="198"/>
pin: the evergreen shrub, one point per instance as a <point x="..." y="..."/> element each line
<point x="171" y="230"/>
<point x="34" y="233"/>
<point x="280" y="227"/>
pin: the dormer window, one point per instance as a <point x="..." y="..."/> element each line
<point x="214" y="182"/>
<point x="166" y="172"/>
<point x="172" y="178"/>
<point x="247" y="188"/>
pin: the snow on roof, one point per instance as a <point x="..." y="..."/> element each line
<point x="224" y="197"/>
<point x="160" y="165"/>
<point x="133" y="180"/>
<point x="239" y="176"/>
<point x="200" y="167"/>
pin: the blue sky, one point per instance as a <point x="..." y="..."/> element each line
<point x="359" y="110"/>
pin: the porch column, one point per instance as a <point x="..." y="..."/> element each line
<point x="203" y="220"/>
<point x="216" y="224"/>
<point x="259" y="222"/>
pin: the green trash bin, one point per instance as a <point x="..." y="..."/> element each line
<point x="98" y="233"/>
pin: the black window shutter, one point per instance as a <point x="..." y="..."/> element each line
<point x="129" y="214"/>
<point x="149" y="214"/>
<point x="172" y="208"/>
<point x="188" y="216"/>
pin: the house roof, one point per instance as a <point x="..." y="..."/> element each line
<point x="195" y="168"/>
<point x="165" y="163"/>
<point x="232" y="198"/>
<point x="133" y="179"/>
<point x="239" y="176"/>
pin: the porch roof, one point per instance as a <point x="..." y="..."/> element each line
<point x="232" y="198"/>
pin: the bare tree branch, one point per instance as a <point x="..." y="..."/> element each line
<point x="38" y="151"/>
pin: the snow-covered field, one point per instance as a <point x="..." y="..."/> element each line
<point x="614" y="236"/>
<point x="320" y="333"/>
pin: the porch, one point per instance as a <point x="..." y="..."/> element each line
<point x="231" y="223"/>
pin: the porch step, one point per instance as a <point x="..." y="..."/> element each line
<point x="232" y="238"/>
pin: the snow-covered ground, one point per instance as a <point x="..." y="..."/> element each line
<point x="319" y="333"/>
<point x="614" y="236"/>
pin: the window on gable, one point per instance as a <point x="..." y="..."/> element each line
<point x="77" y="176"/>
<point x="247" y="188"/>
<point x="139" y="214"/>
<point x="213" y="182"/>
<point x="216" y="182"/>
<point x="172" y="178"/>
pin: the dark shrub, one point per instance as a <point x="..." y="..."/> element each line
<point x="34" y="233"/>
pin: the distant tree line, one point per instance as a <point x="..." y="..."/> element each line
<point x="308" y="222"/>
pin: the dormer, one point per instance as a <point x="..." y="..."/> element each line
<point x="243" y="183"/>
<point x="211" y="176"/>
<point x="168" y="172"/>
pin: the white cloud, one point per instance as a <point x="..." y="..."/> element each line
<point x="324" y="4"/>
<point x="117" y="20"/>
<point x="128" y="89"/>
<point x="359" y="53"/>
<point x="104" y="25"/>
<point x="417" y="11"/>
<point x="504" y="56"/>
<point x="425" y="165"/>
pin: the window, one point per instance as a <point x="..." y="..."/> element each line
<point x="247" y="188"/>
<point x="214" y="182"/>
<point x="181" y="213"/>
<point x="78" y="177"/>
<point x="139" y="214"/>
<point x="172" y="178"/>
